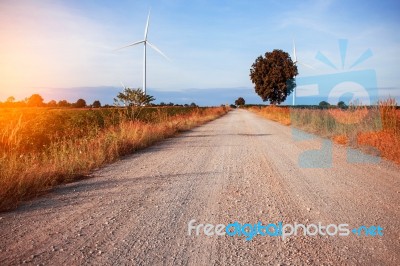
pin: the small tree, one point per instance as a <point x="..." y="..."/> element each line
<point x="35" y="100"/>
<point x="52" y="103"/>
<point x="133" y="97"/>
<point x="342" y="105"/>
<point x="273" y="76"/>
<point x="10" y="99"/>
<point x="193" y="105"/>
<point x="324" y="105"/>
<point x="63" y="103"/>
<point x="96" y="104"/>
<point x="133" y="100"/>
<point x="240" y="101"/>
<point x="80" y="103"/>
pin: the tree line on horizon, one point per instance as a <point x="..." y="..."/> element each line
<point x="36" y="100"/>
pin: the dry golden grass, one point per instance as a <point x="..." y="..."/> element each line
<point x="386" y="140"/>
<point x="275" y="113"/>
<point x="29" y="169"/>
<point x="377" y="127"/>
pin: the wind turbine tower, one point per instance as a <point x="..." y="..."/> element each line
<point x="295" y="61"/>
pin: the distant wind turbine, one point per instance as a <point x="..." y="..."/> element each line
<point x="295" y="62"/>
<point x="145" y="42"/>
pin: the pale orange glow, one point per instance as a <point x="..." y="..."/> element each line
<point x="21" y="61"/>
<point x="44" y="47"/>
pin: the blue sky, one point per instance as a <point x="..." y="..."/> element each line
<point x="54" y="46"/>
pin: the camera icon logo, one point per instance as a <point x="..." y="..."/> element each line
<point x="357" y="88"/>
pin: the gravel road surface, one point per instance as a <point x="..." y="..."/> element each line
<point x="241" y="168"/>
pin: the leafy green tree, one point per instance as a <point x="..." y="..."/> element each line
<point x="273" y="76"/>
<point x="193" y="105"/>
<point x="324" y="104"/>
<point x="52" y="103"/>
<point x="133" y="97"/>
<point x="240" y="101"/>
<point x="63" y="103"/>
<point x="80" y="103"/>
<point x="96" y="104"/>
<point x="342" y="105"/>
<point x="35" y="100"/>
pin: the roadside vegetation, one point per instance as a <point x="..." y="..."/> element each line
<point x="357" y="126"/>
<point x="41" y="147"/>
<point x="363" y="127"/>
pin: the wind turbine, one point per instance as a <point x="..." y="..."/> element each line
<point x="295" y="62"/>
<point x="145" y="43"/>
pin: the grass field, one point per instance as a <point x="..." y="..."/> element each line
<point x="360" y="127"/>
<point x="43" y="147"/>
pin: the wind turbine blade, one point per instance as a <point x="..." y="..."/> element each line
<point x="306" y="65"/>
<point x="132" y="44"/>
<point x="158" y="50"/>
<point x="147" y="26"/>
<point x="123" y="86"/>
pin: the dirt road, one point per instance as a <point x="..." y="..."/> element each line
<point x="240" y="167"/>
